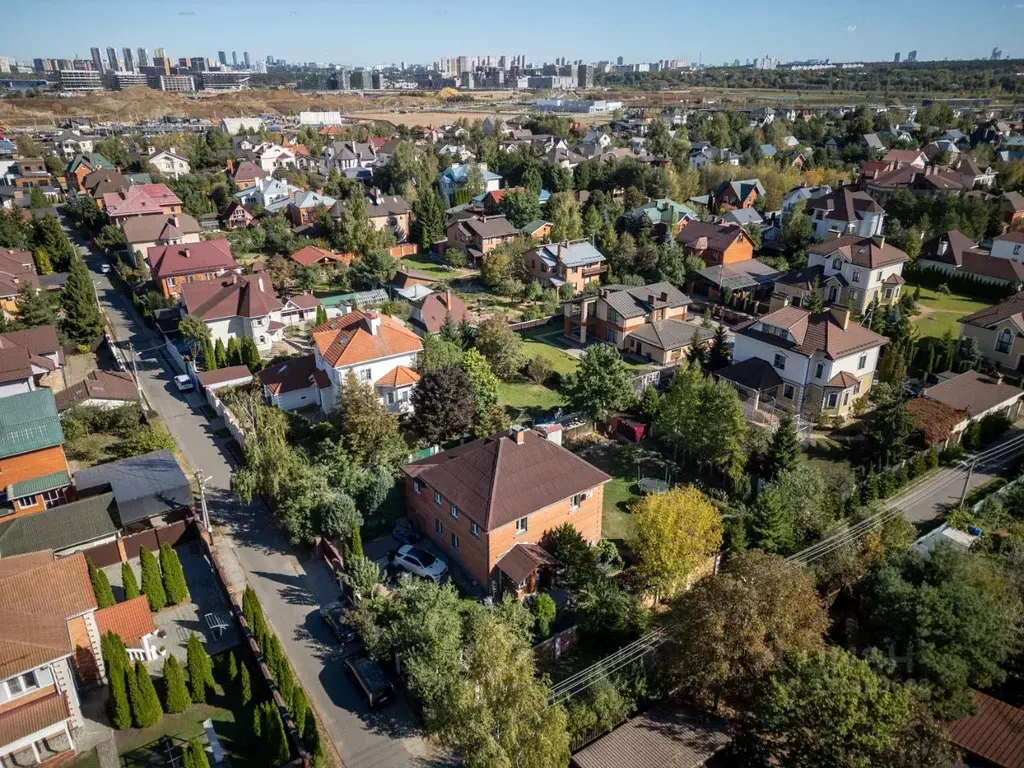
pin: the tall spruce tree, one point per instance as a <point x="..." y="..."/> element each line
<point x="33" y="307"/>
<point x="176" y="698"/>
<point x="771" y="525"/>
<point x="719" y="355"/>
<point x="173" y="575"/>
<point x="100" y="585"/>
<point x="82" y="322"/>
<point x="152" y="583"/>
<point x="784" y="451"/>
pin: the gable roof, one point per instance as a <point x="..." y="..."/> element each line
<point x="994" y="732"/>
<point x="867" y="252"/>
<point x="140" y="199"/>
<point x="313" y="254"/>
<point x="719" y="236"/>
<point x="130" y="620"/>
<point x="233" y="296"/>
<point x="741" y="188"/>
<point x="818" y="333"/>
<point x="845" y="205"/>
<point x="1013" y="201"/>
<point x="187" y="259"/>
<point x="973" y="392"/>
<point x="293" y="374"/>
<point x="348" y="340"/>
<point x="487" y="227"/>
<point x="247" y="170"/>
<point x="670" y="334"/>
<point x="157" y="226"/>
<point x="17" y="268"/>
<point x="495" y="481"/>
<point x="29" y="422"/>
<point x="386" y="205"/>
<point x="437" y="306"/>
<point x="143" y="486"/>
<point x="1007" y="309"/>
<point x="399" y="376"/>
<point x="38" y="595"/>
<point x="98" y="385"/>
<point x="61" y="527"/>
<point x="576" y="254"/>
<point x="660" y="211"/>
<point x="104" y="181"/>
<point x="636" y="301"/>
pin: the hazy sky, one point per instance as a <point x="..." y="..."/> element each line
<point x="369" y="33"/>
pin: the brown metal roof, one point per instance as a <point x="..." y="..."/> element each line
<point x="995" y="732"/>
<point x="495" y="481"/>
<point x="98" y="385"/>
<point x="220" y="375"/>
<point x="973" y="392"/>
<point x="661" y="738"/>
<point x="522" y="560"/>
<point x="814" y="333"/>
<point x="989" y="316"/>
<point x="32" y="717"/>
<point x="867" y="252"/>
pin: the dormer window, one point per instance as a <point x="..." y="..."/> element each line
<point x="837" y="263"/>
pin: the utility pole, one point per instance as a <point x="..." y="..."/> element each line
<point x="201" y="482"/>
<point x="967" y="483"/>
<point x="135" y="370"/>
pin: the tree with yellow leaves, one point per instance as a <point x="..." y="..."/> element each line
<point x="675" y="532"/>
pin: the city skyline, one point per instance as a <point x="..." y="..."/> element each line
<point x="422" y="33"/>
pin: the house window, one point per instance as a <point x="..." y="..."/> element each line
<point x="391" y="398"/>
<point x="779" y="361"/>
<point x="833" y="399"/>
<point x="455" y="542"/>
<point x="1004" y="341"/>
<point x="520" y="526"/>
<point x="474" y="530"/>
<point x="455" y="512"/>
<point x="788" y="391"/>
<point x="438" y="528"/>
<point x="856" y="275"/>
<point x="846" y="398"/>
<point x="365" y="375"/>
<point x="53" y="498"/>
<point x="1016" y="250"/>
<point x="22" y="684"/>
<point x="437" y="498"/>
<point x="862" y="362"/>
<point x="575" y="501"/>
<point x="417" y="486"/>
<point x="837" y="264"/>
<point x="888" y="293"/>
<point x="819" y="370"/>
<point x="856" y="387"/>
<point x="25" y="502"/>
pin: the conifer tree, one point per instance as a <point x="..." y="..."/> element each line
<point x="220" y="353"/>
<point x="232" y="667"/>
<point x="149" y="703"/>
<point x="176" y="694"/>
<point x="719" y="355"/>
<point x="130" y="583"/>
<point x="274" y="737"/>
<point x="33" y="307"/>
<point x="321" y="315"/>
<point x="771" y="527"/>
<point x="134" y="696"/>
<point x="209" y="356"/>
<point x="234" y="354"/>
<point x="197" y="755"/>
<point x="100" y="585"/>
<point x="784" y="450"/>
<point x="299" y="709"/>
<point x="152" y="583"/>
<point x="173" y="575"/>
<point x="82" y="322"/>
<point x="200" y="670"/>
<point x="245" y="685"/>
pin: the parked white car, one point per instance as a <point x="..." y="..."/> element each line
<point x="421" y="563"/>
<point x="183" y="383"/>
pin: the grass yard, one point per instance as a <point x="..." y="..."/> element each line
<point x="536" y="398"/>
<point x="940" y="312"/>
<point x="423" y="263"/>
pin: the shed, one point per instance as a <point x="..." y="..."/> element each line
<point x="144" y="487"/>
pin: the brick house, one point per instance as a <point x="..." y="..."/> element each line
<point x="576" y="264"/>
<point x="84" y="164"/>
<point x="31" y="172"/>
<point x="742" y="193"/>
<point x="141" y="200"/>
<point x="32" y="462"/>
<point x="17" y="268"/>
<point x="716" y="243"/>
<point x="174" y="265"/>
<point x="488" y="503"/>
<point x="477" y="235"/>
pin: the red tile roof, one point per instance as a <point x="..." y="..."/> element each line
<point x="349" y="340"/>
<point x="995" y="732"/>
<point x="19" y="722"/>
<point x="130" y="620"/>
<point x="232" y="296"/>
<point x="140" y="199"/>
<point x="313" y="254"/>
<point x="189" y="259"/>
<point x="400" y="376"/>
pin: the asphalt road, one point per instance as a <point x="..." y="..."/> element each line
<point x="291" y="588"/>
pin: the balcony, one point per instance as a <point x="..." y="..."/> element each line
<point x="600" y="269"/>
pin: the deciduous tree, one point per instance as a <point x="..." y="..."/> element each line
<point x="502" y="346"/>
<point x="601" y="384"/>
<point x="444" y="405"/>
<point x="566" y="219"/>
<point x="368" y="432"/>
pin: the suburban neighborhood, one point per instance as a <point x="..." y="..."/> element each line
<point x="587" y="414"/>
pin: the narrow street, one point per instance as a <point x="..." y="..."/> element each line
<point x="290" y="587"/>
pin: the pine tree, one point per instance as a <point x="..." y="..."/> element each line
<point x="919" y="465"/>
<point x="356" y="545"/>
<point x="129" y="582"/>
<point x="697" y="351"/>
<point x="232" y="667"/>
<point x="152" y="583"/>
<point x="299" y="708"/>
<point x="933" y="459"/>
<point x="274" y="737"/>
<point x="82" y="322"/>
<point x="869" y="491"/>
<point x="44" y="266"/>
<point x="134" y="697"/>
<point x="220" y="354"/>
<point x="33" y="308"/>
<point x="173" y="575"/>
<point x="150" y="711"/>
<point x="176" y="694"/>
<point x="234" y="354"/>
<point x="197" y="754"/>
<point x="245" y="685"/>
<point x="100" y="585"/>
<point x="321" y="315"/>
<point x="200" y="670"/>
<point x="118" y="706"/>
<point x="784" y="450"/>
<point x="771" y="526"/>
<point x="209" y="356"/>
<point x="719" y="355"/>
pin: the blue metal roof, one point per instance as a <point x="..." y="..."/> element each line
<point x="460" y="172"/>
<point x="573" y="254"/>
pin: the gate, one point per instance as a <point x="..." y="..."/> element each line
<point x="104" y="555"/>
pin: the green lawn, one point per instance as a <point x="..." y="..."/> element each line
<point x="536" y="398"/>
<point x="422" y="263"/>
<point x="940" y="312"/>
<point x="559" y="360"/>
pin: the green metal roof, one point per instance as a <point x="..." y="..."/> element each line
<point x="96" y="162"/>
<point x="60" y="528"/>
<point x="39" y="485"/>
<point x="29" y="422"/>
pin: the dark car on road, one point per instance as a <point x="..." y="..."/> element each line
<point x="372" y="682"/>
<point x="333" y="615"/>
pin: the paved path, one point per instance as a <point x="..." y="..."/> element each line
<point x="290" y="588"/>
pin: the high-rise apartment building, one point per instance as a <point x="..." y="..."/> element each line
<point x="619" y="61"/>
<point x="912" y="57"/>
<point x="112" y="59"/>
<point x="97" y="59"/>
<point x="245" y="57"/>
<point x="143" y="57"/>
<point x="896" y="58"/>
<point x="160" y="53"/>
<point x="234" y="58"/>
<point x="222" y="57"/>
<point x="129" y="59"/>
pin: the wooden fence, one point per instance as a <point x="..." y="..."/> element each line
<point x="526" y="325"/>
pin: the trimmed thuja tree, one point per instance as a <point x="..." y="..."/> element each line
<point x="131" y="584"/>
<point x="244" y="685"/>
<point x="115" y="658"/>
<point x="100" y="585"/>
<point x="270" y="728"/>
<point x="176" y="698"/>
<point x="200" y="670"/>
<point x="152" y="583"/>
<point x="174" y="576"/>
<point x="148" y="711"/>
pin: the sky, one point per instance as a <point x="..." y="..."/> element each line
<point x="368" y="33"/>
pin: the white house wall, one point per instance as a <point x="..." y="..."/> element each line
<point x="796" y="370"/>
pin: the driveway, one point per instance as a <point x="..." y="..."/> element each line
<point x="290" y="587"/>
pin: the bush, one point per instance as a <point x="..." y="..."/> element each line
<point x="992" y="427"/>
<point x="87" y="449"/>
<point x="543" y="609"/>
<point x="537" y="370"/>
<point x="152" y="582"/>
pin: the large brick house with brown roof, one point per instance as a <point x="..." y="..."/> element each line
<point x="716" y="243"/>
<point x="237" y="307"/>
<point x="371" y="347"/>
<point x="488" y="503"/>
<point x="477" y="235"/>
<point x="820" y="363"/>
<point x="172" y="266"/>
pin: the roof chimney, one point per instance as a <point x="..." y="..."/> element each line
<point x="174" y="219"/>
<point x="373" y="320"/>
<point x="841" y="315"/>
<point x="186" y="252"/>
<point x="517" y="433"/>
<point x="664" y="296"/>
<point x="448" y="298"/>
